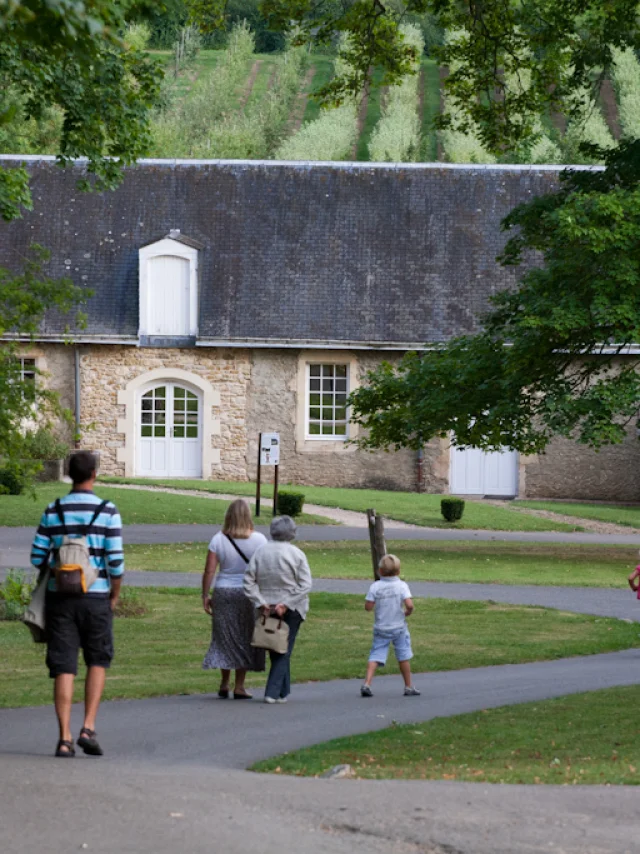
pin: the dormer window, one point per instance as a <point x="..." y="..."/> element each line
<point x="169" y="288"/>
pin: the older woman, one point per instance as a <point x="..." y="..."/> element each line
<point x="278" y="579"/>
<point x="230" y="551"/>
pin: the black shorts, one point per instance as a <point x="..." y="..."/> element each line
<point x="74" y="622"/>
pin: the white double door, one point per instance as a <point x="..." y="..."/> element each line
<point x="169" y="432"/>
<point x="476" y="472"/>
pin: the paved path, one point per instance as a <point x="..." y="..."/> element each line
<point x="169" y="781"/>
<point x="15" y="543"/>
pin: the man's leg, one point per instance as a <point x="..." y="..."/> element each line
<point x="93" y="688"/>
<point x="62" y="698"/>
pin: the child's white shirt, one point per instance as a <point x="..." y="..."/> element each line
<point x="389" y="594"/>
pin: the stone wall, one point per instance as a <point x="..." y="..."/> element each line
<point x="274" y="405"/>
<point x="56" y="362"/>
<point x="107" y="369"/>
<point x="570" y="470"/>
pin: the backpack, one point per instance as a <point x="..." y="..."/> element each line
<point x="72" y="566"/>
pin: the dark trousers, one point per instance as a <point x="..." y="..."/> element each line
<point x="279" y="681"/>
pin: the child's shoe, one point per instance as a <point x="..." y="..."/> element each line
<point x="411" y="692"/>
<point x="366" y="691"/>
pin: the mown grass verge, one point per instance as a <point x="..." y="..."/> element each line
<point x="417" y="509"/>
<point x="619" y="515"/>
<point x="587" y="738"/>
<point x="480" y="562"/>
<point x="136" y="507"/>
<point x="161" y="652"/>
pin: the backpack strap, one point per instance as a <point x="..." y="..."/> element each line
<point x="97" y="512"/>
<point x="238" y="549"/>
<point x="60" y="513"/>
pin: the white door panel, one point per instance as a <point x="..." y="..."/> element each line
<point x="169" y="441"/>
<point x="169" y="296"/>
<point x="476" y="472"/>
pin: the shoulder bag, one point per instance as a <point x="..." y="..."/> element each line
<point x="34" y="616"/>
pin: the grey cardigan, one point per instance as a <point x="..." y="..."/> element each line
<point x="279" y="573"/>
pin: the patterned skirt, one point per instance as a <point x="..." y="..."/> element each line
<point x="232" y="629"/>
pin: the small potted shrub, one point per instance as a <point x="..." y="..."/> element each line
<point x="43" y="446"/>
<point x="290" y="503"/>
<point x="452" y="509"/>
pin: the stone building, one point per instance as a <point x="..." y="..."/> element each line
<point x="231" y="298"/>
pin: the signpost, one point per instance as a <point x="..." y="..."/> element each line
<point x="268" y="455"/>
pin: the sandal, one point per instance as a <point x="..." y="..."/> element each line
<point x="88" y="742"/>
<point x="67" y="753"/>
<point x="243" y="696"/>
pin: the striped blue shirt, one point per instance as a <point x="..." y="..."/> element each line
<point x="104" y="538"/>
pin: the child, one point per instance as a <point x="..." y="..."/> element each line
<point x="392" y="601"/>
<point x="634" y="580"/>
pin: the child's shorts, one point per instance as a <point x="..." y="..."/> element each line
<point x="401" y="641"/>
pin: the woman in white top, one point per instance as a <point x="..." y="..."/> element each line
<point x="230" y="551"/>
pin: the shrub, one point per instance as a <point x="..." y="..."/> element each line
<point x="42" y="444"/>
<point x="290" y="503"/>
<point x="452" y="509"/>
<point x="16" y="477"/>
<point x="15" y="593"/>
<point x="626" y="79"/>
<point x="131" y="604"/>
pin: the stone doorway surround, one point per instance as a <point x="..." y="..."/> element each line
<point x="129" y="398"/>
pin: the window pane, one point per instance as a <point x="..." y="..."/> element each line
<point x="314" y="429"/>
<point x="160" y="404"/>
<point x="147" y="418"/>
<point x="161" y="391"/>
<point x="314" y="385"/>
<point x="192" y="418"/>
<point x="327" y="400"/>
<point x="327" y="429"/>
<point x="341" y="429"/>
<point x="341" y="400"/>
<point x="159" y="431"/>
<point x="146" y="403"/>
<point x="327" y="385"/>
<point x="179" y="392"/>
<point x="314" y="370"/>
<point x="327" y="414"/>
<point x="341" y="385"/>
<point x="341" y="413"/>
<point x="327" y="370"/>
<point x="178" y="417"/>
<point x="314" y="412"/>
<point x="192" y="405"/>
<point x="341" y="370"/>
<point x="178" y="432"/>
<point x="160" y="418"/>
<point x="146" y="431"/>
<point x="192" y="432"/>
<point x="314" y="400"/>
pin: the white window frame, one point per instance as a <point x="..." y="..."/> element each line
<point x="330" y="437"/>
<point x="176" y="249"/>
<point x="28" y="374"/>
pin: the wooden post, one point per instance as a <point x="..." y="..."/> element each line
<point x="275" y="491"/>
<point x="376" y="540"/>
<point x="258" y="477"/>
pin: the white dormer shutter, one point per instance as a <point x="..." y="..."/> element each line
<point x="168" y="289"/>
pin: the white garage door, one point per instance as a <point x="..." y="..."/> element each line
<point x="475" y="472"/>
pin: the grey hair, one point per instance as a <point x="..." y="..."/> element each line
<point x="283" y="529"/>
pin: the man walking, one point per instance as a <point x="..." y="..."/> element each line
<point x="83" y="619"/>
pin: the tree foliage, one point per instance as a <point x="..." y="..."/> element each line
<point x="549" y="360"/>
<point x="72" y="56"/>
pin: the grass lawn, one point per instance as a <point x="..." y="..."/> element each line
<point x="323" y="72"/>
<point x="136" y="507"/>
<point x="372" y="117"/>
<point x="161" y="652"/>
<point x="582" y="738"/>
<point x="620" y="515"/>
<point x="418" y="509"/>
<point x="487" y="563"/>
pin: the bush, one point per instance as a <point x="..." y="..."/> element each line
<point x="15" y="593"/>
<point x="290" y="503"/>
<point x="17" y="477"/>
<point x="41" y="444"/>
<point x="452" y="509"/>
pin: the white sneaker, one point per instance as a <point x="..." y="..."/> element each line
<point x="270" y="700"/>
<point x="411" y="692"/>
<point x="281" y="700"/>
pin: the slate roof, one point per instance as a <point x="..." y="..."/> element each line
<point x="292" y="253"/>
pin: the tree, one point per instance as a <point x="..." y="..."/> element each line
<point x="548" y="361"/>
<point x="24" y="298"/>
<point x="70" y="56"/>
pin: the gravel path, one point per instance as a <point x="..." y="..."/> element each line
<point x="595" y="526"/>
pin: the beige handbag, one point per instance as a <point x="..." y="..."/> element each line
<point x="271" y="633"/>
